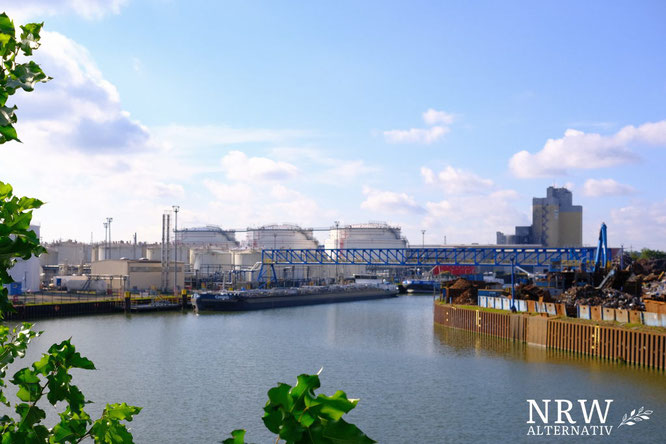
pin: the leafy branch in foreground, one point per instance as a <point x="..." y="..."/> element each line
<point x="15" y="75"/>
<point x="49" y="377"/>
<point x="298" y="416"/>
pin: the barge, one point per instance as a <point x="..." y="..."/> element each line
<point x="290" y="297"/>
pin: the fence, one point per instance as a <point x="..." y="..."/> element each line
<point x="504" y="303"/>
<point x="594" y="313"/>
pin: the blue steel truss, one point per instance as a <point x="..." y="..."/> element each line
<point x="407" y="257"/>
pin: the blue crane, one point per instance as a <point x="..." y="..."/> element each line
<point x="601" y="256"/>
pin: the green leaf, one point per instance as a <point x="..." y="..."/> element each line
<point x="335" y="406"/>
<point x="8" y="133"/>
<point x="7" y="115"/>
<point x="341" y="432"/>
<point x="6" y="25"/>
<point x="121" y="412"/>
<point x="237" y="437"/>
<point x="305" y="385"/>
<point x="291" y="430"/>
<point x="30" y="415"/>
<point x="279" y="396"/>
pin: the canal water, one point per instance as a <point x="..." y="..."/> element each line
<point x="198" y="377"/>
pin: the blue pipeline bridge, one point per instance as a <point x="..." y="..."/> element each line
<point x="552" y="258"/>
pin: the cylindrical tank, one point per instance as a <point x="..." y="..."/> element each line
<point x="281" y="236"/>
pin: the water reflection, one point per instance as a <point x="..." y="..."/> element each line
<point x="466" y="343"/>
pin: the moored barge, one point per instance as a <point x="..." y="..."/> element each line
<point x="290" y="297"/>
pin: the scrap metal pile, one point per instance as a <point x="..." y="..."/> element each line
<point x="532" y="292"/>
<point x="654" y="287"/>
<point x="643" y="279"/>
<point x="607" y="297"/>
<point x="463" y="292"/>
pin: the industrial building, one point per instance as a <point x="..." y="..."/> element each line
<point x="136" y="275"/>
<point x="556" y="222"/>
<point x="203" y="254"/>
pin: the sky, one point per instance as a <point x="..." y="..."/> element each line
<point x="447" y="117"/>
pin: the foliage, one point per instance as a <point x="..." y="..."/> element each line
<point x="648" y="254"/>
<point x="15" y="75"/>
<point x="17" y="240"/>
<point x="50" y="376"/>
<point x="298" y="416"/>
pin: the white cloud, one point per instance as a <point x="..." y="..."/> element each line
<point x="37" y="9"/>
<point x="640" y="225"/>
<point x="467" y="219"/>
<point x="228" y="192"/>
<point x="579" y="150"/>
<point x="199" y="136"/>
<point x="323" y="167"/>
<point x="433" y="117"/>
<point x="245" y="204"/>
<point x="78" y="109"/>
<point x="456" y="181"/>
<point x="423" y="135"/>
<point x="84" y="156"/>
<point x="416" y="135"/>
<point x="389" y="202"/>
<point x="606" y="187"/>
<point x="239" y="167"/>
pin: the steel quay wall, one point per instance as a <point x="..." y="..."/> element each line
<point x="613" y="343"/>
<point x="495" y="324"/>
<point x="644" y="348"/>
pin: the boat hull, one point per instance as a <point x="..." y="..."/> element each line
<point x="219" y="303"/>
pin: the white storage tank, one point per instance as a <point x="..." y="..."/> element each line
<point x="205" y="258"/>
<point x="27" y="272"/>
<point x="209" y="235"/>
<point x="281" y="236"/>
<point x="370" y="235"/>
<point x="246" y="259"/>
<point x="154" y="253"/>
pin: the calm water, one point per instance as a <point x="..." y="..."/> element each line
<point x="199" y="377"/>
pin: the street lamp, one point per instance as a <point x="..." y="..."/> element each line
<point x="106" y="239"/>
<point x="176" y="208"/>
<point x="108" y="222"/>
<point x="337" y="247"/>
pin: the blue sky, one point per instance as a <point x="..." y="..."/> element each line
<point x="443" y="116"/>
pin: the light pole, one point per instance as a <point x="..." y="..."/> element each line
<point x="108" y="221"/>
<point x="106" y="239"/>
<point x="423" y="238"/>
<point x="337" y="247"/>
<point x="176" y="208"/>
